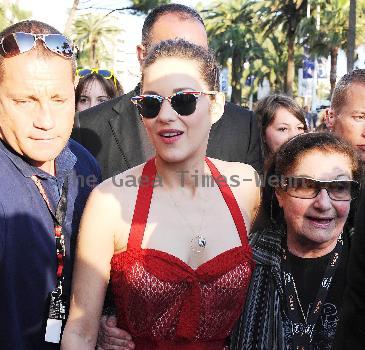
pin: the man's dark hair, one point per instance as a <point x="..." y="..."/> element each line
<point x="340" y="92"/>
<point x="184" y="12"/>
<point x="32" y="26"/>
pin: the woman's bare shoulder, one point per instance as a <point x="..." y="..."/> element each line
<point x="244" y="182"/>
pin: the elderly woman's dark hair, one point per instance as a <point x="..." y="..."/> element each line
<point x="290" y="154"/>
<point x="110" y="89"/>
<point x="266" y="109"/>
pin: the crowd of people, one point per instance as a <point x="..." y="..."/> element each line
<point x="166" y="217"/>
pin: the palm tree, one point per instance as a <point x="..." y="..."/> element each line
<point x="285" y="16"/>
<point x="351" y="36"/>
<point x="272" y="64"/>
<point x="144" y="6"/>
<point x="94" y="34"/>
<point x="331" y="36"/>
<point x="231" y="34"/>
<point x="71" y="16"/>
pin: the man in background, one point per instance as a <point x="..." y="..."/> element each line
<point x="346" y="116"/>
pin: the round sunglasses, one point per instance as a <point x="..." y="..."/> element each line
<point x="17" y="43"/>
<point x="182" y="102"/>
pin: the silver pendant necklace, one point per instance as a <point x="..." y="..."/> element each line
<point x="199" y="241"/>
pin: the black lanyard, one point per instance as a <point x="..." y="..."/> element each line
<point x="303" y="327"/>
<point x="58" y="217"/>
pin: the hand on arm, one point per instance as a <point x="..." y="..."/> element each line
<point x="111" y="337"/>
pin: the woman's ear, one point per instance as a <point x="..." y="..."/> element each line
<point x="217" y="107"/>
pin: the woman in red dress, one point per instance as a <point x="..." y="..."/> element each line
<point x="171" y="233"/>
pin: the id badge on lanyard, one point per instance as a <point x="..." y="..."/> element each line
<point x="57" y="304"/>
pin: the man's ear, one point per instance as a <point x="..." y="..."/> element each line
<point x="329" y="118"/>
<point x="217" y="108"/>
<point x="141" y="53"/>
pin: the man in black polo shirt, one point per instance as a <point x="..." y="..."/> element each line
<point x="45" y="181"/>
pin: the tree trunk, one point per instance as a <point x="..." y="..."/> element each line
<point x="333" y="72"/>
<point x="290" y="72"/>
<point x="236" y="76"/>
<point x="93" y="54"/>
<point x="71" y="17"/>
<point x="351" y="36"/>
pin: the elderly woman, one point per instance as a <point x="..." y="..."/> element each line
<point x="171" y="233"/>
<point x="296" y="291"/>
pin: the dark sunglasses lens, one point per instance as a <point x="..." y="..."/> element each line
<point x="105" y="73"/>
<point x="184" y="104"/>
<point x="59" y="44"/>
<point x="149" y="107"/>
<point x="341" y="190"/>
<point x="355" y="189"/>
<point x="84" y="72"/>
<point x="17" y="43"/>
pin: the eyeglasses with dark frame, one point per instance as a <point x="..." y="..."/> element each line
<point x="183" y="102"/>
<point x="17" y="43"/>
<point x="308" y="188"/>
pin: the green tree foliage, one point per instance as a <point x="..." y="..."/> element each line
<point x="230" y="27"/>
<point x="325" y="31"/>
<point x="10" y="14"/>
<point x="144" y="6"/>
<point x="94" y="35"/>
<point x="327" y="34"/>
<point x="272" y="65"/>
<point x="284" y="16"/>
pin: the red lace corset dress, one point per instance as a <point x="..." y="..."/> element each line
<point x="162" y="301"/>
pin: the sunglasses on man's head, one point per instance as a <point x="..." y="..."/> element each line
<point x="16" y="43"/>
<point x="183" y="102"/>
<point x="308" y="188"/>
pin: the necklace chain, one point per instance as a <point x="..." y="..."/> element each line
<point x="300" y="304"/>
<point x="198" y="239"/>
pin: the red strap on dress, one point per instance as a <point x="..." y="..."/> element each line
<point x="230" y="200"/>
<point x="144" y="197"/>
<point x="142" y="207"/>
